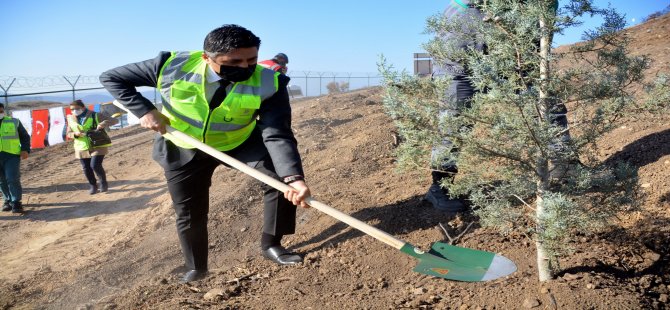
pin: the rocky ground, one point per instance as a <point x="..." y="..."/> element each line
<point x="119" y="250"/>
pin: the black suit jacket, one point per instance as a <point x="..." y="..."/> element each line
<point x="273" y="127"/>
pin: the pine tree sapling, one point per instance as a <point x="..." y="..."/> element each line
<point x="508" y="139"/>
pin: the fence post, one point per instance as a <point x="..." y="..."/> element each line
<point x="7" y="90"/>
<point x="73" y="85"/>
<point x="306" y="76"/>
<point x="320" y="74"/>
<point x="336" y="84"/>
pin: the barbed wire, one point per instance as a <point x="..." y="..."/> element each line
<point x="26" y="82"/>
<point x="332" y="74"/>
<point x="18" y="86"/>
<point x="14" y="83"/>
<point x="62" y="80"/>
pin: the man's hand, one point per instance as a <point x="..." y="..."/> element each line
<point x="24" y="155"/>
<point x="155" y="121"/>
<point x="298" y="193"/>
<point x="78" y="134"/>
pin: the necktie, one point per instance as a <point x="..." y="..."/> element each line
<point x="219" y="95"/>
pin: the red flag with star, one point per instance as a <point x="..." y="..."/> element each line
<point x="40" y="128"/>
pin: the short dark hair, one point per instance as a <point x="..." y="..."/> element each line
<point x="229" y="37"/>
<point x="78" y="102"/>
<point x="2" y="105"/>
<point x="281" y="56"/>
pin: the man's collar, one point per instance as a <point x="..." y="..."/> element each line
<point x="212" y="76"/>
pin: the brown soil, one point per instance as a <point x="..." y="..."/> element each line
<point x="119" y="250"/>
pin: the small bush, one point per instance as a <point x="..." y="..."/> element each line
<point x="335" y="87"/>
<point x="657" y="14"/>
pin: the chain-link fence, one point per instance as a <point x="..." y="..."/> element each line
<point x="28" y="86"/>
<point x="303" y="83"/>
<point x="314" y="83"/>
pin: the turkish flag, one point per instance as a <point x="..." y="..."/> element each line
<point x="40" y="128"/>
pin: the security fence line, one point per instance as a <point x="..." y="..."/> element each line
<point x="29" y="83"/>
<point x="326" y="81"/>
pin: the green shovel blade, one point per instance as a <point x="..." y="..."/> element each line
<point x="460" y="264"/>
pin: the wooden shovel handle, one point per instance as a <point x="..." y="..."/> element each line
<point x="337" y="214"/>
<point x="355" y="223"/>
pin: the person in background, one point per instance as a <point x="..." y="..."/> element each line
<point x="459" y="94"/>
<point x="221" y="97"/>
<point x="277" y="63"/>
<point x="14" y="146"/>
<point x="78" y="123"/>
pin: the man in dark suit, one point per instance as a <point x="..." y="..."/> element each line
<point x="222" y="98"/>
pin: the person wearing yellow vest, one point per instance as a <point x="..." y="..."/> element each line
<point x="222" y="98"/>
<point x="14" y="146"/>
<point x="78" y="123"/>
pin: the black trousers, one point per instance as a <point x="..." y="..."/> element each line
<point x="93" y="166"/>
<point x="189" y="188"/>
<point x="461" y="90"/>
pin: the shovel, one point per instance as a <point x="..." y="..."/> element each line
<point x="443" y="260"/>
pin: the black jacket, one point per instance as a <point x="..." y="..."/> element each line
<point x="274" y="123"/>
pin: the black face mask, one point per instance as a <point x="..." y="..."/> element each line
<point x="236" y="74"/>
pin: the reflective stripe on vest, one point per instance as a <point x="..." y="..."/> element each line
<point x="182" y="84"/>
<point x="270" y="65"/>
<point x="9" y="136"/>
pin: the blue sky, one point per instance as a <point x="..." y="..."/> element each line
<point x="72" y="37"/>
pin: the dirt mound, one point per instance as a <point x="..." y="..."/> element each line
<point x="35" y="104"/>
<point x="119" y="250"/>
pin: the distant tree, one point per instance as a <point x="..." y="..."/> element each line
<point x="344" y="87"/>
<point x="337" y="87"/>
<point x="657" y="14"/>
<point x="333" y="87"/>
<point x="507" y="140"/>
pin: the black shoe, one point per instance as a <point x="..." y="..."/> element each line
<point x="103" y="187"/>
<point x="442" y="201"/>
<point x="193" y="275"/>
<point x="281" y="256"/>
<point x="6" y="206"/>
<point x="93" y="189"/>
<point x="17" y="207"/>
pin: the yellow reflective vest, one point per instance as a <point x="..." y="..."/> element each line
<point x="83" y="143"/>
<point x="9" y="136"/>
<point x="182" y="83"/>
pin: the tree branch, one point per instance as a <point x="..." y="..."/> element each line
<point x="527" y="205"/>
<point x="452" y="241"/>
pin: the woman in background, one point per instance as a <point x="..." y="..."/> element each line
<point x="79" y="122"/>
